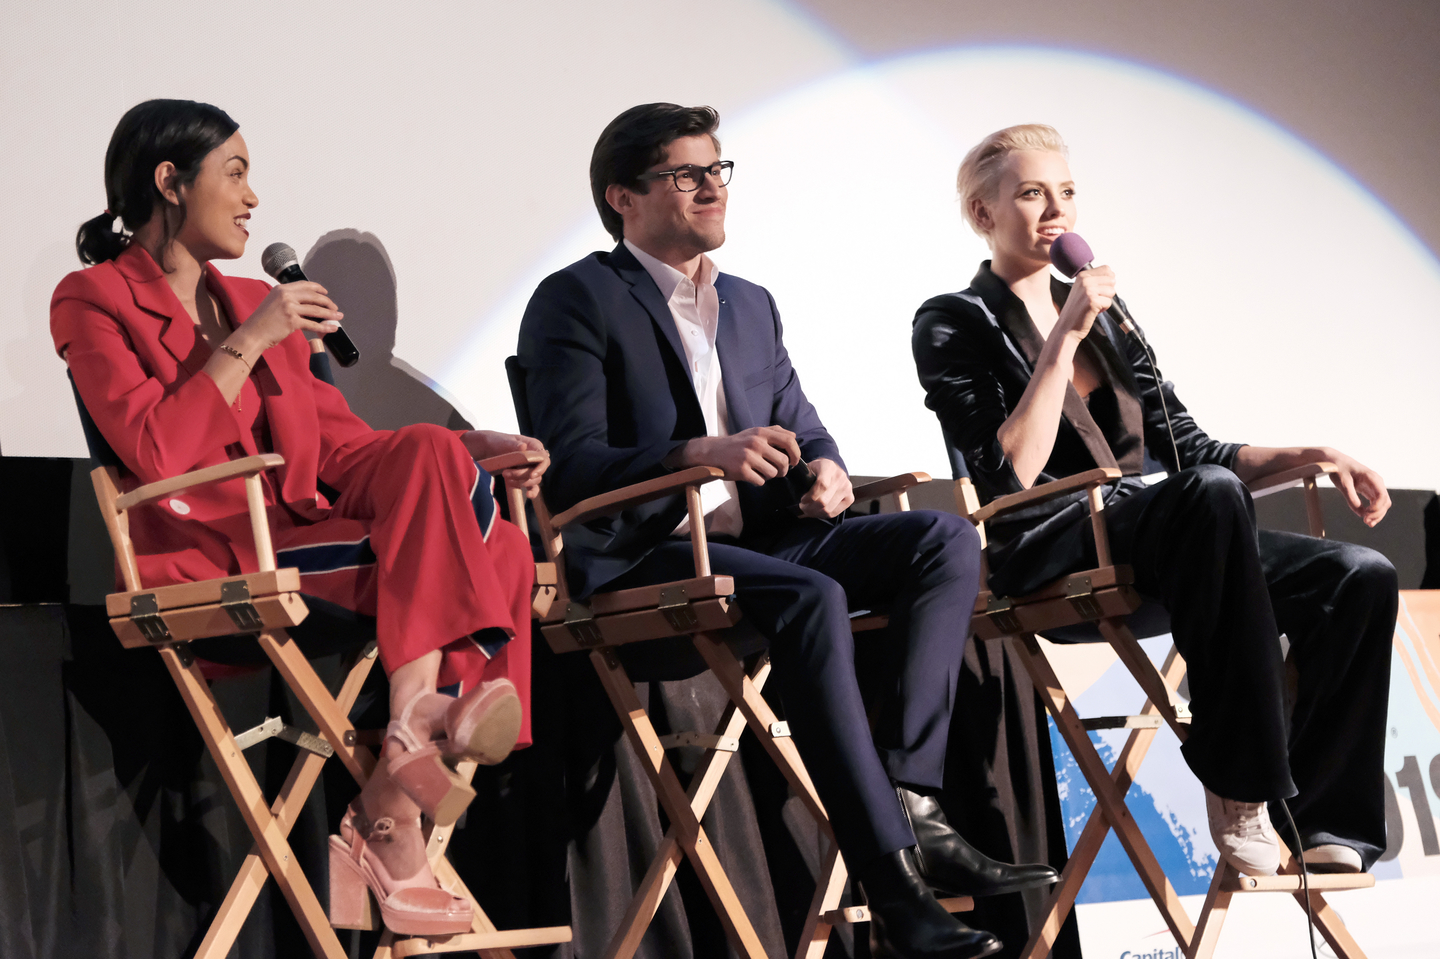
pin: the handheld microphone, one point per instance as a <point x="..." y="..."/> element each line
<point x="279" y="260"/>
<point x="1070" y="254"/>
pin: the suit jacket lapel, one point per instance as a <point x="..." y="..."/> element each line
<point x="733" y="366"/>
<point x="643" y="288"/>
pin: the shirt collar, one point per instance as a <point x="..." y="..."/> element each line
<point x="666" y="277"/>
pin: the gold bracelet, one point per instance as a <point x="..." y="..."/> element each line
<point x="227" y="348"/>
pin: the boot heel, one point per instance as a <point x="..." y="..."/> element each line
<point x="436" y="788"/>
<point x="351" y="905"/>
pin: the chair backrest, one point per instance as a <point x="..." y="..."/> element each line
<point x="958" y="468"/>
<point x="515" y="373"/>
<point x="101" y="453"/>
<point x="320" y="367"/>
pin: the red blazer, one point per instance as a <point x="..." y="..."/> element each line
<point x="136" y="358"/>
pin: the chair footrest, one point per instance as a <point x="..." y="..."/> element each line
<point x="836" y="917"/>
<point x="236" y="605"/>
<point x="1323" y="882"/>
<point x="473" y="941"/>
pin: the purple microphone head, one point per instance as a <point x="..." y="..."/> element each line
<point x="1070" y="253"/>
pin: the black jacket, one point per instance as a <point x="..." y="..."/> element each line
<point x="610" y="395"/>
<point x="975" y="352"/>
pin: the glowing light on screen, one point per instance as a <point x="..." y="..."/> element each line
<point x="843" y="206"/>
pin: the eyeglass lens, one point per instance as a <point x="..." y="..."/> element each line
<point x="689" y="177"/>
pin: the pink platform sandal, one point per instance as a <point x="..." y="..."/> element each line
<point x="483" y="725"/>
<point x="421" y="771"/>
<point x="415" y="906"/>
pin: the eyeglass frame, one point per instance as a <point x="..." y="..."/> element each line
<point x="689" y="167"/>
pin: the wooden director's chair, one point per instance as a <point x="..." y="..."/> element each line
<point x="703" y="610"/>
<point x="1102" y="604"/>
<point x="263" y="606"/>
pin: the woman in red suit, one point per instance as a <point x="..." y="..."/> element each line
<point x="182" y="367"/>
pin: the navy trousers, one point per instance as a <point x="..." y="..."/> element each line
<point x="923" y="568"/>
<point x="1231" y="590"/>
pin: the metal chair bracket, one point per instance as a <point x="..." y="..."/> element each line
<point x="1002" y="613"/>
<point x="581" y="623"/>
<point x="780" y="730"/>
<point x="1081" y="597"/>
<point x="145" y="613"/>
<point x="677" y="610"/>
<point x="235" y="600"/>
<point x="724" y="744"/>
<point x="291" y="734"/>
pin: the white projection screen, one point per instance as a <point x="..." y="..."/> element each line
<point x="1260" y="176"/>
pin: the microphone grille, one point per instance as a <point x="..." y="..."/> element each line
<point x="277" y="258"/>
<point x="1070" y="253"/>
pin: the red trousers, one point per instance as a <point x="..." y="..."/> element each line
<point x="403" y="543"/>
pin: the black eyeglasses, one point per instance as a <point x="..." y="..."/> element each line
<point x="689" y="177"/>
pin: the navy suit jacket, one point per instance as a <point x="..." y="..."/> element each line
<point x="610" y="394"/>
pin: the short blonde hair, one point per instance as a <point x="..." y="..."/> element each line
<point x="979" y="176"/>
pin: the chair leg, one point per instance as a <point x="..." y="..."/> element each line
<point x="1109" y="799"/>
<point x="667" y="858"/>
<point x="676" y="803"/>
<point x="1127" y="647"/>
<point x="762" y="720"/>
<point x="1092" y="837"/>
<point x="333" y="722"/>
<point x="1212" y="916"/>
<point x="225" y="926"/>
<point x="274" y="849"/>
<point x="828" y="890"/>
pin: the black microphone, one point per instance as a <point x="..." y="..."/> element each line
<point x="1069" y="253"/>
<point x="279" y="260"/>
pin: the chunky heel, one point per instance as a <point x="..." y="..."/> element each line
<point x="437" y="789"/>
<point x="351" y="905"/>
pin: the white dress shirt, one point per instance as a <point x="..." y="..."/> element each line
<point x="696" y="311"/>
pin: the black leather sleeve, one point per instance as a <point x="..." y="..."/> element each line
<point x="958" y="353"/>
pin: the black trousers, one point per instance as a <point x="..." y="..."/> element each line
<point x="923" y="568"/>
<point x="1231" y="590"/>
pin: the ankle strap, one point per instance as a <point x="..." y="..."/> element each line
<point x="363" y="831"/>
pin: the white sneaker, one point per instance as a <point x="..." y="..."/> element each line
<point x="1332" y="857"/>
<point x="1243" y="834"/>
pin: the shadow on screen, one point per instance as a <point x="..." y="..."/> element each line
<point x="357" y="271"/>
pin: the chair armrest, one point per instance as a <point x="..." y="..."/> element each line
<point x="884" y="487"/>
<point x="507" y="461"/>
<point x="1275" y="482"/>
<point x="248" y="466"/>
<point x="1038" y="494"/>
<point x="616" y="500"/>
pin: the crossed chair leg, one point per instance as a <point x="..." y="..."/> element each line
<point x="1109" y="786"/>
<point x="685" y="808"/>
<point x="270" y="824"/>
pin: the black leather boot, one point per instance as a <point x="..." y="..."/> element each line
<point x="905" y="920"/>
<point x="951" y="865"/>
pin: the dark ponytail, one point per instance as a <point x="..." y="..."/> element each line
<point x="181" y="131"/>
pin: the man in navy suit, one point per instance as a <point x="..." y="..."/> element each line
<point x="646" y="360"/>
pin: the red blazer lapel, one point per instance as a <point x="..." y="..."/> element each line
<point x="153" y="295"/>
